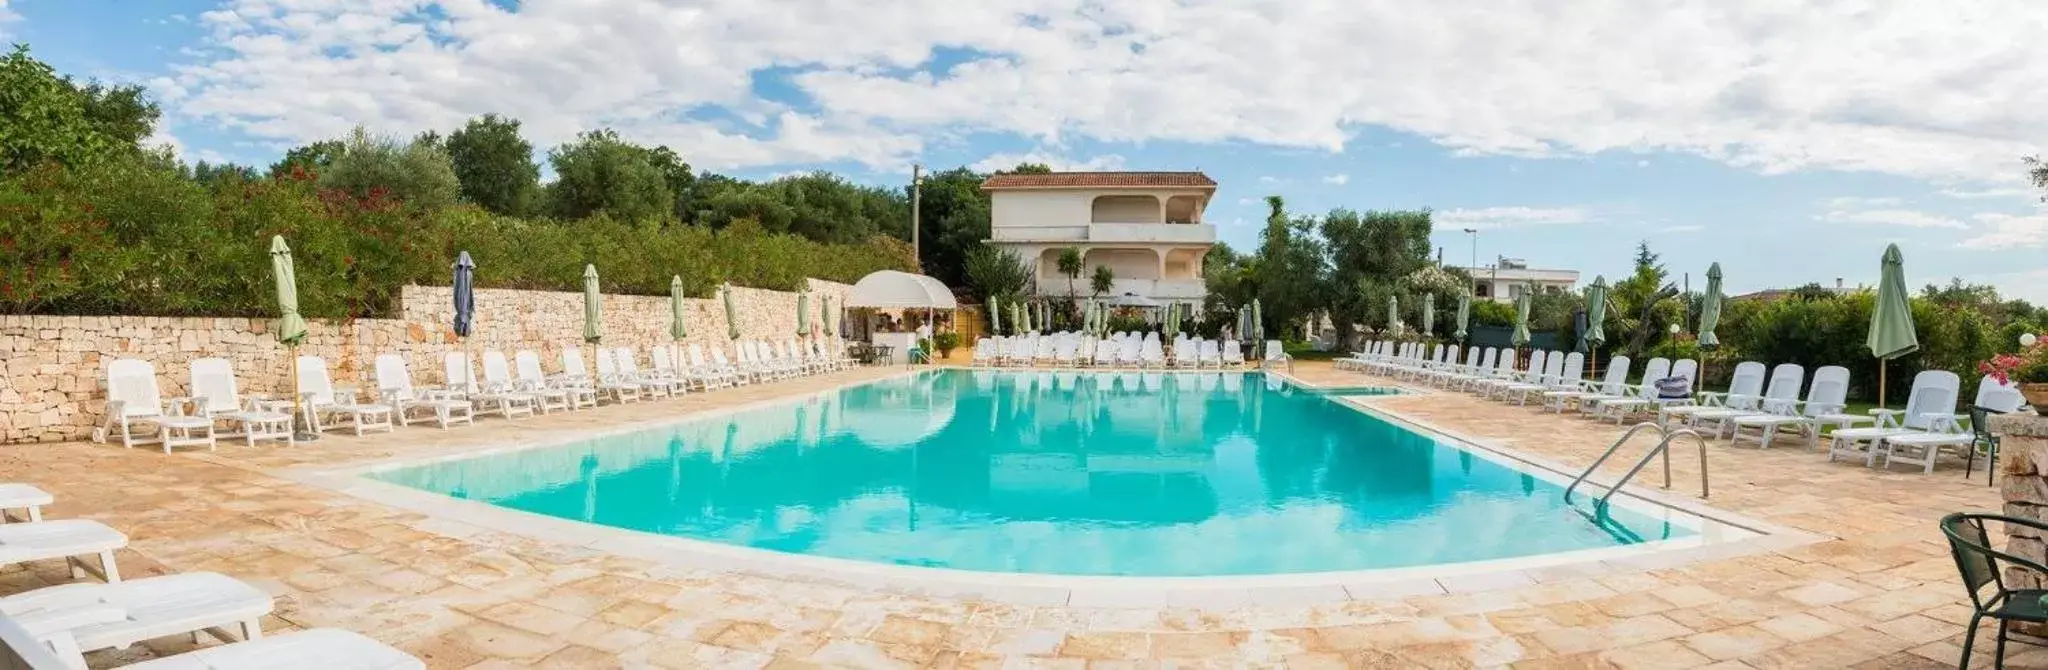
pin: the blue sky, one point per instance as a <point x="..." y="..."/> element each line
<point x="1789" y="144"/>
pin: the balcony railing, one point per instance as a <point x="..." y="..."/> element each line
<point x="1110" y="233"/>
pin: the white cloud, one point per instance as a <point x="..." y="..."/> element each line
<point x="1269" y="179"/>
<point x="1339" y="179"/>
<point x="1893" y="217"/>
<point x="1997" y="231"/>
<point x="1930" y="90"/>
<point x="1494" y="218"/>
<point x="1007" y="161"/>
<point x="6" y="16"/>
<point x="1680" y="230"/>
<point x="1999" y="192"/>
<point x="1854" y="202"/>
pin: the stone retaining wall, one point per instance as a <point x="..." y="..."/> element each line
<point x="52" y="368"/>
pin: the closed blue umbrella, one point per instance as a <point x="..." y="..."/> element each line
<point x="465" y="294"/>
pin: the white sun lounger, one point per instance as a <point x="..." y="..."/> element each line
<point x="607" y="379"/>
<point x="1929" y="406"/>
<point x="1612" y="385"/>
<point x="558" y="394"/>
<point x="323" y="648"/>
<point x="1745" y="386"/>
<point x="1633" y="397"/>
<point x="322" y="404"/>
<point x="1826" y="394"/>
<point x="68" y="539"/>
<point x="1922" y="448"/>
<point x="23" y="497"/>
<point x="1778" y="398"/>
<point x="215" y="396"/>
<point x="133" y="398"/>
<point x="498" y="388"/>
<point x="117" y="615"/>
<point x="394" y="384"/>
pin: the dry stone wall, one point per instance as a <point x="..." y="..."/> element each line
<point x="52" y="368"/>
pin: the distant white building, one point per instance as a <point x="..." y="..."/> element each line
<point x="1506" y="280"/>
<point x="1145" y="226"/>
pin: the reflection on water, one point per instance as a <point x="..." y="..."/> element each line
<point x="1050" y="472"/>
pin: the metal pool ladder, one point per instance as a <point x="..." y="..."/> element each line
<point x="1663" y="448"/>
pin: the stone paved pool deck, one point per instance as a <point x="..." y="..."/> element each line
<point x="1880" y="592"/>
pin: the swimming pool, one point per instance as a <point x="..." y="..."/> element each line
<point x="1129" y="474"/>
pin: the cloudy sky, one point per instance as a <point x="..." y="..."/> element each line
<point x="1787" y="139"/>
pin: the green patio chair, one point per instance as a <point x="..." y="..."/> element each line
<point x="1983" y="442"/>
<point x="1980" y="565"/>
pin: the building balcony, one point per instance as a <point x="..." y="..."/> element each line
<point x="1109" y="233"/>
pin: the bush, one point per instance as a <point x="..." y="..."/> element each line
<point x="133" y="237"/>
<point x="946" y="342"/>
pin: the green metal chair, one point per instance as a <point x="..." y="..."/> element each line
<point x="1984" y="441"/>
<point x="1980" y="565"/>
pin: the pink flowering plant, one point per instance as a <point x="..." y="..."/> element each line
<point x="2028" y="366"/>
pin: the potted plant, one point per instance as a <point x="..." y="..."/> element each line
<point x="946" y="342"/>
<point x="2028" y="368"/>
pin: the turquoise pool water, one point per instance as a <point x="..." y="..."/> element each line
<point x="1061" y="473"/>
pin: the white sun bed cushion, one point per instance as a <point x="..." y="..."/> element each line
<point x="325" y="648"/>
<point x="151" y="607"/>
<point x="56" y="539"/>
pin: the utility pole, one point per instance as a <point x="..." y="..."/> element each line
<point x="916" y="194"/>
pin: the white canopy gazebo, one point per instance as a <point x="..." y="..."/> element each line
<point x="902" y="291"/>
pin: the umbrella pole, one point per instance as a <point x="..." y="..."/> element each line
<point x="298" y="411"/>
<point x="1880" y="383"/>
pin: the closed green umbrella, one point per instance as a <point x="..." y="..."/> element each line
<point x="732" y="321"/>
<point x="675" y="308"/>
<point x="1710" y="309"/>
<point x="1017" y="324"/>
<point x="593" y="323"/>
<point x="1172" y="319"/>
<point x="1429" y="314"/>
<point x="1521" y="336"/>
<point x="1596" y="315"/>
<point x="995" y="315"/>
<point x="1394" y="314"/>
<point x="1258" y="322"/>
<point x="803" y="314"/>
<point x="1244" y="317"/>
<point x="1891" y="322"/>
<point x="825" y="317"/>
<point x="291" y="328"/>
<point x="1464" y="314"/>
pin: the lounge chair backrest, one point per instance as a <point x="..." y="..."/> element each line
<point x="1745" y="384"/>
<point x="696" y="355"/>
<point x="393" y="376"/>
<point x="624" y="358"/>
<point x="1274" y="351"/>
<point x="605" y="366"/>
<point x="1574" y="369"/>
<point x="496" y="370"/>
<point x="456" y="372"/>
<point x="1616" y="381"/>
<point x="213" y="380"/>
<point x="1688" y="368"/>
<point x="1828" y="392"/>
<point x="572" y="362"/>
<point x="1998" y="397"/>
<point x="1233" y="351"/>
<point x="1659" y="367"/>
<point x="527" y="365"/>
<point x="132" y="382"/>
<point x="1553" y="367"/>
<point x="1471" y="356"/>
<point x="1783" y="393"/>
<point x="1934" y="394"/>
<point x="1452" y="357"/>
<point x="314" y="384"/>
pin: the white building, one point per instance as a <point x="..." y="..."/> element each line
<point x="1506" y="280"/>
<point x="1145" y="226"/>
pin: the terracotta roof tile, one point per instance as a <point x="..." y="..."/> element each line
<point x="1100" y="180"/>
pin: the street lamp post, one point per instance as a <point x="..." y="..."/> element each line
<point x="1474" y="232"/>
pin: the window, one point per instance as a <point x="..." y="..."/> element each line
<point x="1482" y="290"/>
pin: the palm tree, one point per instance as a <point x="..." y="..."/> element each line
<point x="1070" y="265"/>
<point x="1103" y="281"/>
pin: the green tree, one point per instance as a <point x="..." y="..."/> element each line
<point x="996" y="273"/>
<point x="1103" y="281"/>
<point x="1645" y="291"/>
<point x="310" y="159"/>
<point x="600" y="173"/>
<point x="2037" y="170"/>
<point x="955" y="216"/>
<point x="48" y="117"/>
<point x="1070" y="265"/>
<point x="417" y="173"/>
<point x="1031" y="168"/>
<point x="1370" y="259"/>
<point x="495" y="165"/>
<point x="1289" y="269"/>
<point x="210" y="174"/>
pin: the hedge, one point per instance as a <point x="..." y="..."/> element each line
<point x="137" y="238"/>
